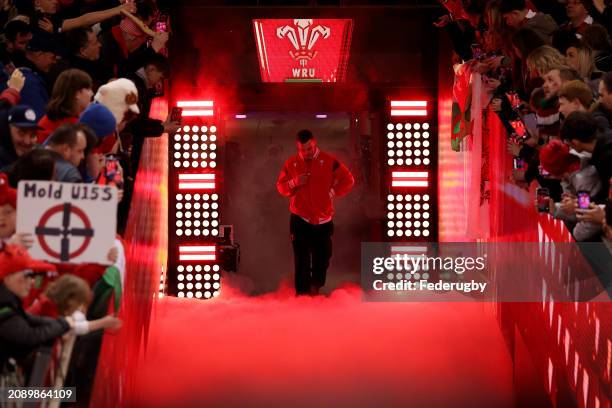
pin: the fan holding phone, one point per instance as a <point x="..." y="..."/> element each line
<point x="580" y="182"/>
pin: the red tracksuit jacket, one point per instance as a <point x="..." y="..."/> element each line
<point x="328" y="178"/>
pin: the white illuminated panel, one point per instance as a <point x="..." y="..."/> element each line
<point x="195" y="104"/>
<point x="198" y="112"/>
<point x="197" y="253"/>
<point x="409" y="179"/>
<point x="198" y="281"/>
<point x="204" y="181"/>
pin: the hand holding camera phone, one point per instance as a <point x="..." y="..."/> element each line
<point x="176" y="115"/>
<point x="518" y="163"/>
<point x="112" y="174"/>
<point x="543" y="172"/>
<point x="543" y="199"/>
<point x="584" y="200"/>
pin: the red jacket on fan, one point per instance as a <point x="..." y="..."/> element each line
<point x="328" y="178"/>
<point x="48" y="126"/>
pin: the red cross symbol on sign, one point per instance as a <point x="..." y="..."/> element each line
<point x="43" y="230"/>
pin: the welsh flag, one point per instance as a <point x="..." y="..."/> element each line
<point x="462" y="100"/>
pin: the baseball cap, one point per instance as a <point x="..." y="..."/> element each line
<point x="14" y="259"/>
<point x="23" y="116"/>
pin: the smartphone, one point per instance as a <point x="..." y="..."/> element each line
<point x="543" y="172"/>
<point x="514" y="99"/>
<point x="530" y="121"/>
<point x="477" y="52"/>
<point x="176" y="115"/>
<point x="543" y="199"/>
<point x="518" y="163"/>
<point x="162" y="24"/>
<point x="584" y="200"/>
<point x="112" y="175"/>
<point x="519" y="128"/>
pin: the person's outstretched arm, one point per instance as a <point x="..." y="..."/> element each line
<point x="90" y="19"/>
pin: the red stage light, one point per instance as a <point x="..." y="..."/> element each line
<point x="197" y="253"/>
<point x="409" y="104"/>
<point x="198" y="112"/>
<point x="195" y="104"/>
<point x="409" y="179"/>
<point x="202" y="181"/>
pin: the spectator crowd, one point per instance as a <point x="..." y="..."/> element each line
<point x="546" y="66"/>
<point x="77" y="78"/>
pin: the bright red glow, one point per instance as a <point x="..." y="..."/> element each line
<point x="197" y="253"/>
<point x="411" y="105"/>
<point x="195" y="104"/>
<point x="408" y="112"/>
<point x="198" y="112"/>
<point x="409" y="179"/>
<point x="309" y="50"/>
<point x="408" y="104"/>
<point x="202" y="181"/>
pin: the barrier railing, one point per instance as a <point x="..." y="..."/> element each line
<point x="565" y="346"/>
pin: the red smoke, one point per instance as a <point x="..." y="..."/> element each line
<point x="280" y="351"/>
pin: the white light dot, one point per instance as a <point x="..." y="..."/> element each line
<point x="389" y="126"/>
<point x="390" y="135"/>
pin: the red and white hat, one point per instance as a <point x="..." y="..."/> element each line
<point x="15" y="259"/>
<point x="8" y="195"/>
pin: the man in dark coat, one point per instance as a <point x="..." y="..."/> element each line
<point x="20" y="332"/>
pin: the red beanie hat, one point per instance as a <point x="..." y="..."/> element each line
<point x="555" y="158"/>
<point x="14" y="259"/>
<point x="8" y="195"/>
